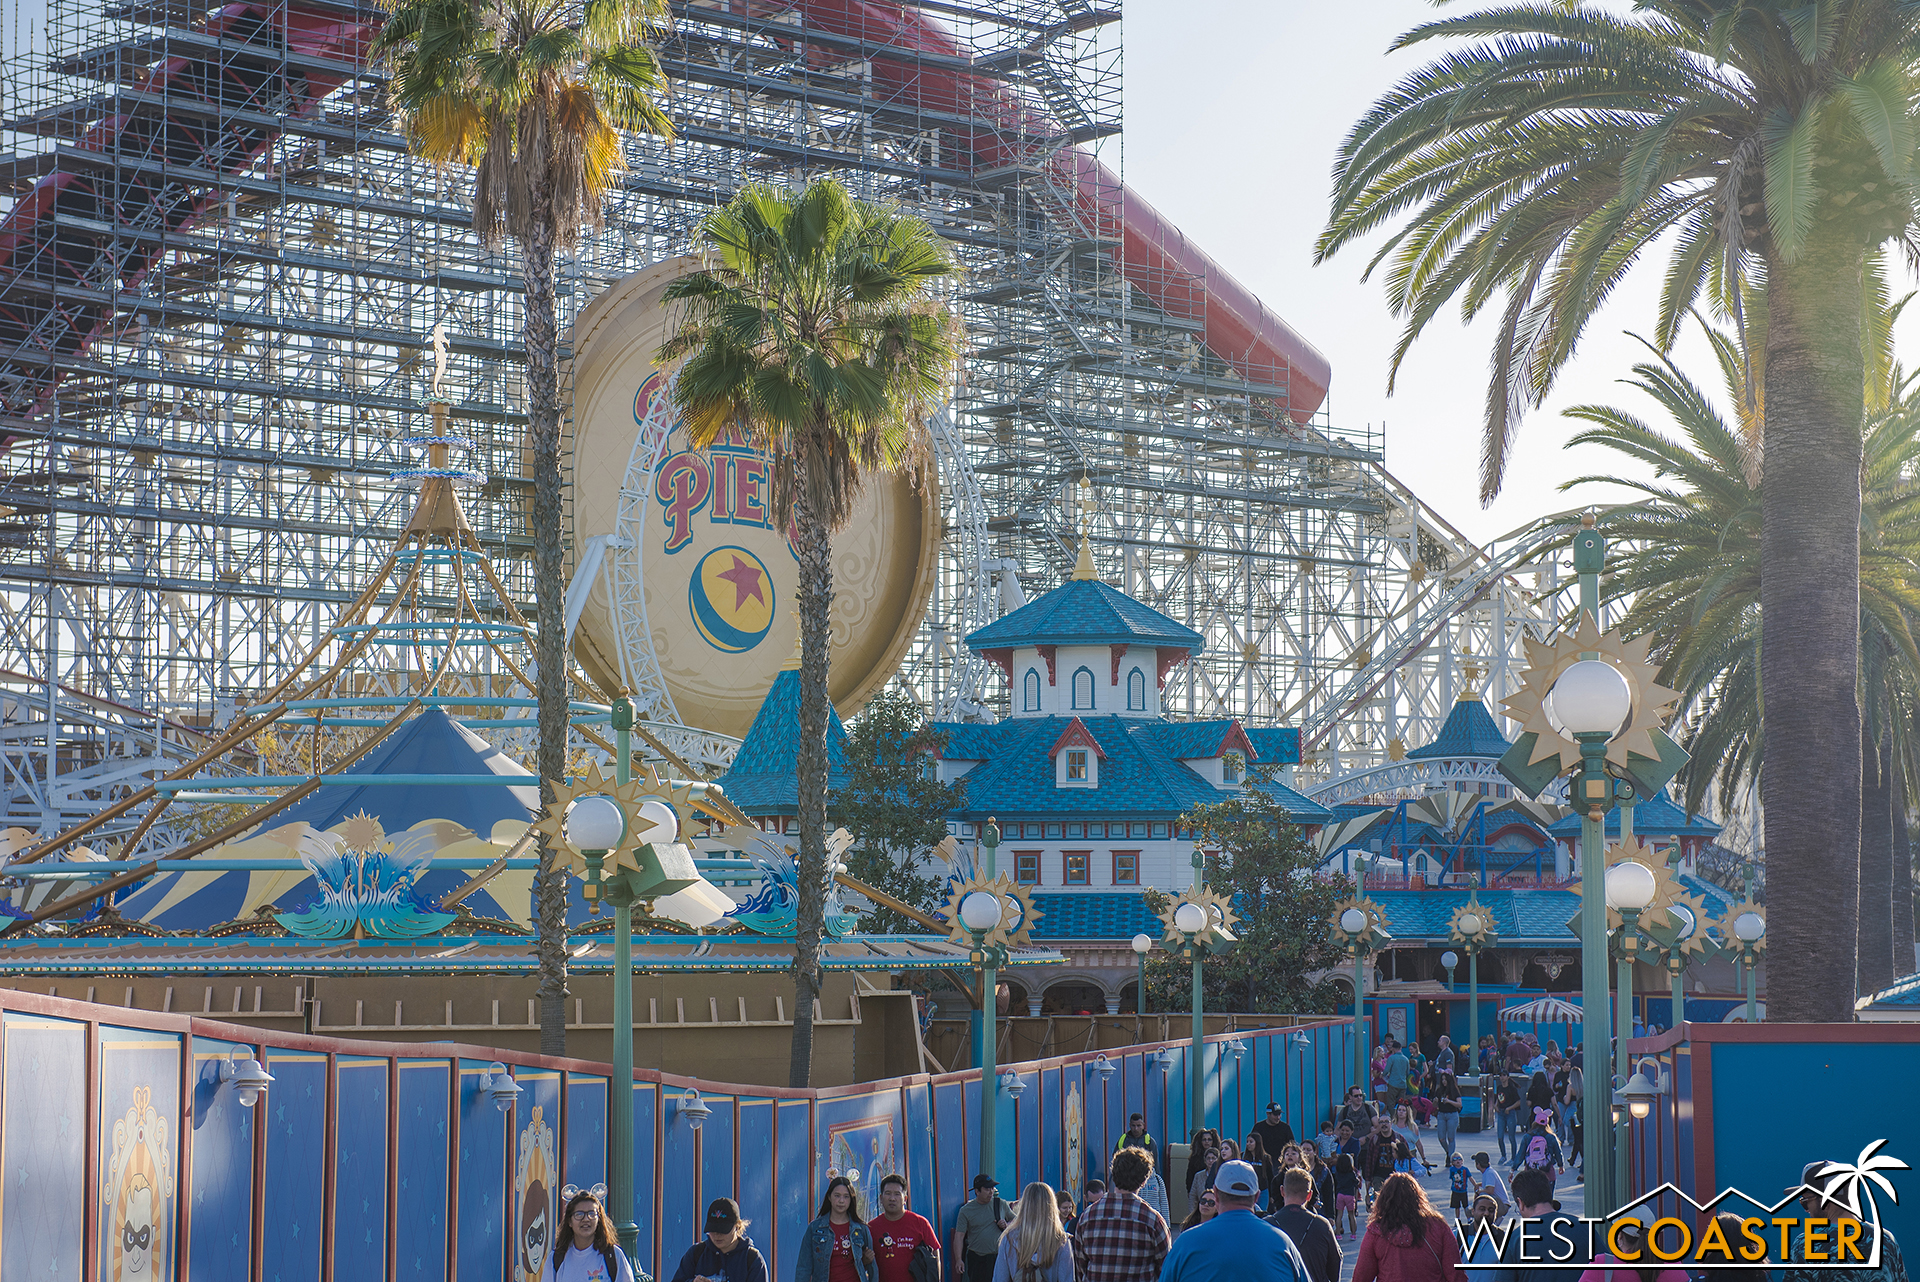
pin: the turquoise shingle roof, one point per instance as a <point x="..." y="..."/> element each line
<point x="1301" y="809"/>
<point x="1520" y="915"/>
<point x="1655" y="817"/>
<point x="1095" y="914"/>
<point x="1137" y="777"/>
<point x="1188" y="740"/>
<point x="1469" y="731"/>
<point x="1275" y="745"/>
<point x="1903" y="995"/>
<point x="761" y="780"/>
<point x="1085" y="612"/>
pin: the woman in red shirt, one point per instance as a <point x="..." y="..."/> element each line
<point x="1406" y="1239"/>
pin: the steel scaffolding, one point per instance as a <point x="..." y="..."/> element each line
<point x="221" y="272"/>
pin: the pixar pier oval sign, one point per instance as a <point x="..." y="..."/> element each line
<point x="696" y="584"/>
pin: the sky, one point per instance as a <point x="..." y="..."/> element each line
<point x="1235" y="110"/>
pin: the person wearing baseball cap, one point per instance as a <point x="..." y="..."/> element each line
<point x="1236" y="1245"/>
<point x="726" y="1254"/>
<point x="1274" y="1132"/>
<point x="976" y="1231"/>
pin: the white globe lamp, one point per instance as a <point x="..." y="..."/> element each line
<point x="1189" y="919"/>
<point x="1591" y="697"/>
<point x="980" y="911"/>
<point x="1630" y="886"/>
<point x="595" y="822"/>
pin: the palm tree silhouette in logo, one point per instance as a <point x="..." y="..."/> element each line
<point x="1847" y="1182"/>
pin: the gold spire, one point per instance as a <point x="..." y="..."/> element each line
<point x="1083" y="567"/>
<point x="1472" y="673"/>
<point x="438" y="513"/>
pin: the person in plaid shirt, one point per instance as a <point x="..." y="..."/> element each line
<point x="1125" y="1240"/>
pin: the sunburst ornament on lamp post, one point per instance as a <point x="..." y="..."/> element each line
<point x="1360" y="928"/>
<point x="1471" y="927"/>
<point x="1199" y="923"/>
<point x="990" y="915"/>
<point x="621" y="837"/>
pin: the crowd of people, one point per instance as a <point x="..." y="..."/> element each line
<point x="1267" y="1208"/>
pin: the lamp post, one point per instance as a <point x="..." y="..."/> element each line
<point x="622" y="839"/>
<point x="983" y="912"/>
<point x="1449" y="959"/>
<point x="1472" y="931"/>
<point x="1750" y="936"/>
<point x="1190" y="919"/>
<point x="1357" y="928"/>
<point x="1591" y="699"/>
<point x="1142" y="945"/>
<point x="1630" y="887"/>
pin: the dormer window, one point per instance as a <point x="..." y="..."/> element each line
<point x="1077" y="765"/>
<point x="1232" y="767"/>
<point x="1076" y="761"/>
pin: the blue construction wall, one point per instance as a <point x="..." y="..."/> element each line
<point x="1825" y="1092"/>
<point x="375" y="1161"/>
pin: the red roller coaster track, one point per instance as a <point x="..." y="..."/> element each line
<point x="170" y="161"/>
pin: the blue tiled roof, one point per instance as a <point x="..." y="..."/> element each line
<point x="1519" y="915"/>
<point x="1469" y="731"/>
<point x="761" y="780"/>
<point x="1095" y="914"/>
<point x="1137" y="777"/>
<point x="1655" y="817"/>
<point x="1275" y="745"/>
<point x="1188" y="740"/>
<point x="1301" y="809"/>
<point x="1085" y="612"/>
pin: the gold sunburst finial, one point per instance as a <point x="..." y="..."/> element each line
<point x="362" y="831"/>
<point x="1547" y="662"/>
<point x="628" y="796"/>
<point x="1471" y="675"/>
<point x="1667" y="886"/>
<point x="1014" y="931"/>
<point x="1219" y="910"/>
<point x="1376" y="919"/>
<point x="1484" y="935"/>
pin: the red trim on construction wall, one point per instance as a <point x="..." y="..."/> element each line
<point x="1703" y="1172"/>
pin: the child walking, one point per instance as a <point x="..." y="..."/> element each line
<point x="1460" y="1182"/>
<point x="1346" y="1196"/>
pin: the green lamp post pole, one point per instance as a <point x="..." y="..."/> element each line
<point x="620" y="1111"/>
<point x="1197" y="1108"/>
<point x="1749" y="937"/>
<point x="1592" y="793"/>
<point x="1629" y="941"/>
<point x="982" y="914"/>
<point x="1142" y="945"/>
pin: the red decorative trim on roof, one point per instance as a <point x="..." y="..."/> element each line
<point x="1236" y="738"/>
<point x="1119" y="653"/>
<point x="1001" y="659"/>
<point x="1076" y="735"/>
<point x="1046" y="652"/>
<point x="1169" y="656"/>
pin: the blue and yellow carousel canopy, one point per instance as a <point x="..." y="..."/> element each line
<point x="464" y="820"/>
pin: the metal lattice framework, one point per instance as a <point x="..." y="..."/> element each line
<point x="218" y="301"/>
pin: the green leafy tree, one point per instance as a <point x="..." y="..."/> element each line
<point x="814" y="332"/>
<point x="1767" y="141"/>
<point x="1271" y="874"/>
<point x="534" y="95"/>
<point x="896" y="808"/>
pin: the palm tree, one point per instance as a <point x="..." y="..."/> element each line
<point x="1690" y="561"/>
<point x="534" y="94"/>
<point x="1776" y="141"/>
<point x="813" y="332"/>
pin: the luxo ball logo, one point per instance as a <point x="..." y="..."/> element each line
<point x="730" y="593"/>
<point x="1831" y="1220"/>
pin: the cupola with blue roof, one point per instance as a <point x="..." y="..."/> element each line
<point x="1085" y="649"/>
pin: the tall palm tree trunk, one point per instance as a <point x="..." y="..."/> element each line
<point x="1810" y="625"/>
<point x="813" y="549"/>
<point x="550" y="590"/>
<point x="1902" y="874"/>
<point x="1875" y="965"/>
